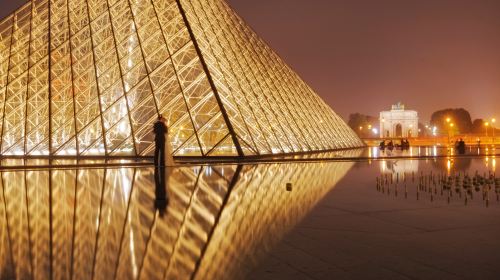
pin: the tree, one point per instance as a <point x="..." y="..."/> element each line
<point x="478" y="126"/>
<point x="462" y="122"/>
<point x="423" y="131"/>
<point x="361" y="124"/>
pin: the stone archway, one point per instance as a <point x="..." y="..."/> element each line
<point x="398" y="130"/>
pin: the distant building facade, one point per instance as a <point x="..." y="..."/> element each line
<point x="398" y="122"/>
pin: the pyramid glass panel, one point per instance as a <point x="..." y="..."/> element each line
<point x="90" y="77"/>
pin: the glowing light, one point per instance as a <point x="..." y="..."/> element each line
<point x="383" y="166"/>
<point x="375" y="152"/>
<point x="98" y="125"/>
<point x="125" y="183"/>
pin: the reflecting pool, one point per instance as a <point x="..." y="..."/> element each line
<point x="429" y="151"/>
<point x="360" y="231"/>
<point x="103" y="223"/>
<point x="223" y="221"/>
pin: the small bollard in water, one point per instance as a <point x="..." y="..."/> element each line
<point x="288" y="187"/>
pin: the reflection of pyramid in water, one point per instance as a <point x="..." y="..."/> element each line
<point x="101" y="223"/>
<point x="115" y="64"/>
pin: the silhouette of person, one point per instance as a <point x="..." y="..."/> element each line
<point x="161" y="199"/>
<point x="160" y="131"/>
<point x="390" y="145"/>
<point x="382" y="145"/>
<point x="461" y="146"/>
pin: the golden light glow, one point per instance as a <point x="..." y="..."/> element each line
<point x="124" y="236"/>
<point x="116" y="64"/>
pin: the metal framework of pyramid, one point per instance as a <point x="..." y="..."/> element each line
<point x="89" y="77"/>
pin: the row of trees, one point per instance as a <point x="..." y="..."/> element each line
<point x="458" y="120"/>
<point x="461" y="121"/>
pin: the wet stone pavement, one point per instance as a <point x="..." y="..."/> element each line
<point x="359" y="232"/>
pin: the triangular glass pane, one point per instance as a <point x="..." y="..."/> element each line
<point x="69" y="149"/>
<point x="226" y="148"/>
<point x="88" y="136"/>
<point x="118" y="134"/>
<point x="97" y="148"/>
<point x="190" y="148"/>
<point x="42" y="148"/>
<point x="125" y="149"/>
<point x="213" y="133"/>
<point x="247" y="150"/>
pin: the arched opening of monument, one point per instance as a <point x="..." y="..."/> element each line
<point x="398" y="121"/>
<point x="399" y="130"/>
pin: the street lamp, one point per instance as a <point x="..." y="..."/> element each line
<point x="449" y="126"/>
<point x="493" y="121"/>
<point x="486" y="124"/>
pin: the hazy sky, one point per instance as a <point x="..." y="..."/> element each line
<point x="364" y="55"/>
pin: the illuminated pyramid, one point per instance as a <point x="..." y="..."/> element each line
<point x="115" y="64"/>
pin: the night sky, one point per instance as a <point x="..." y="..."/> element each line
<point x="364" y="55"/>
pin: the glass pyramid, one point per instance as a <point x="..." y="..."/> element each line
<point x="89" y="77"/>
